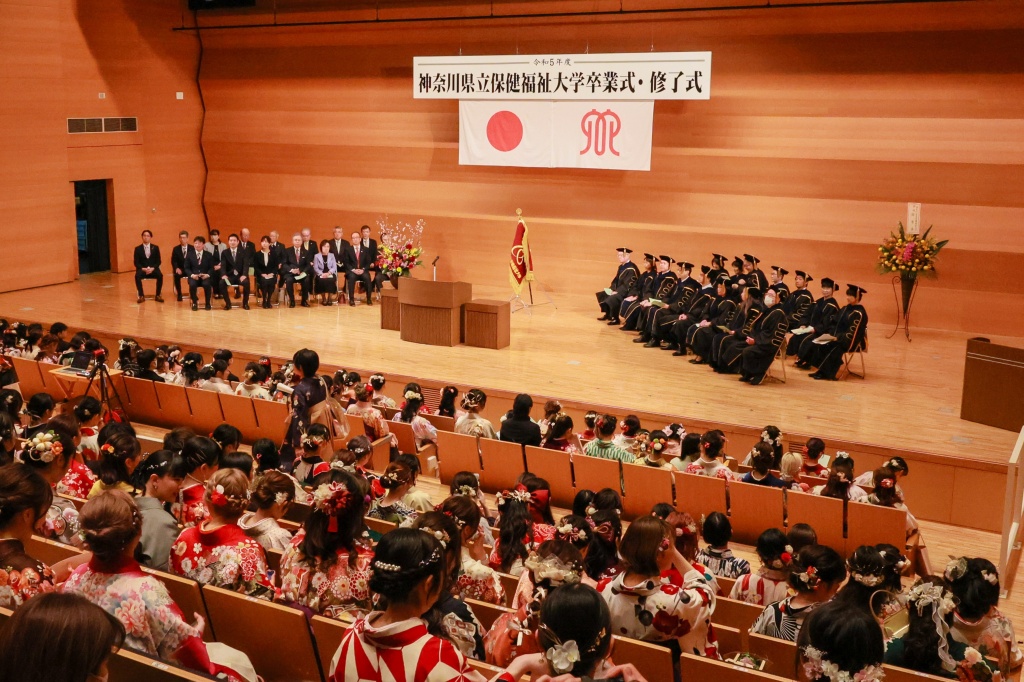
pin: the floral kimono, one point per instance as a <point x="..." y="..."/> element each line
<point x="374" y="424"/>
<point x="191" y="509"/>
<point x="993" y="636"/>
<point x="224" y="557"/>
<point x="714" y="469"/>
<point x="331" y="590"/>
<point x="479" y="581"/>
<point x="21" y="576"/>
<point x="508" y="638"/>
<point x="62" y="522"/>
<point x="89" y="445"/>
<point x="658" y="611"/>
<point x="542" y="532"/>
<point x="400" y="651"/>
<point x="767" y="586"/>
<point x="77" y="482"/>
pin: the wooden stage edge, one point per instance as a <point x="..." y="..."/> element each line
<point x="909" y="402"/>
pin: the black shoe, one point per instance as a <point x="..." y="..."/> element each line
<point x="195" y="306"/>
<point x="613" y="322"/>
<point x="815" y="375"/>
<point x="641" y="339"/>
<point x="757" y="380"/>
<point x="159" y="299"/>
<point x="670" y="346"/>
<point x="697" y="361"/>
<point x="142" y="299"/>
<point x="291" y="304"/>
<point x="744" y="378"/>
<point x="369" y="302"/>
<point x="227" y="306"/>
<point x="653" y="343"/>
<point x="178" y="299"/>
<point x="209" y="307"/>
<point x="602" y="318"/>
<point x="245" y="306"/>
<point x="679" y="354"/>
<point x="351" y="304"/>
<point x="800" y="364"/>
<point x="305" y="304"/>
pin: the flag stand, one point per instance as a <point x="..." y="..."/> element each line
<point x="517" y="300"/>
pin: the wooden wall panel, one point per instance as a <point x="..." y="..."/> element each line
<point x="823" y="123"/>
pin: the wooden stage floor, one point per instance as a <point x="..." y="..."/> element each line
<point x="910" y="399"/>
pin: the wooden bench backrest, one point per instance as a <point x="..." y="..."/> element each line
<point x="457" y="452"/>
<point x="189" y="598"/>
<point x="735" y="614"/>
<point x="406" y="439"/>
<point x="869" y="524"/>
<point x="280" y="648"/>
<point x="441" y="423"/>
<point x="174" y="409"/>
<point x="143" y="403"/>
<point x="555" y="467"/>
<point x="205" y="407"/>
<point x="271" y="418"/>
<point x="509" y="583"/>
<point x="781" y="654"/>
<point x="327" y="633"/>
<point x="696" y="668"/>
<point x="382" y="527"/>
<point x="240" y="413"/>
<point x="896" y="674"/>
<point x="503" y="463"/>
<point x="50" y="552"/>
<point x="654" y="662"/>
<point x="824" y="514"/>
<point x="486" y="613"/>
<point x="699" y="495"/>
<point x="753" y="508"/>
<point x="644" y="487"/>
<point x="594" y="473"/>
<point x="730" y="640"/>
<point x="129" y="666"/>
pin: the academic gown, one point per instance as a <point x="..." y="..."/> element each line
<point x="679" y="303"/>
<point x="641" y="289"/>
<point x="726" y="348"/>
<point x="720" y="313"/>
<point x="623" y="280"/>
<point x="851" y="332"/>
<point x="797" y="307"/>
<point x="823" y="318"/>
<point x="628" y="313"/>
<point x="782" y="290"/>
<point x="673" y="329"/>
<point x="664" y="292"/>
<point x="769" y="334"/>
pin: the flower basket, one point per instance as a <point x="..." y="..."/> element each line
<point x="400" y="248"/>
<point x="908" y="258"/>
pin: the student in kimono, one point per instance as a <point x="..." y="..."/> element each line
<point x="27" y="497"/>
<point x="611" y="298"/>
<point x="851" y="332"/>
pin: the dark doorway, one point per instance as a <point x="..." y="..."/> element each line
<point x="93" y="228"/>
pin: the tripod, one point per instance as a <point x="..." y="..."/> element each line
<point x="106" y="386"/>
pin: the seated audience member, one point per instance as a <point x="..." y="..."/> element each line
<point x="417" y="500"/>
<point x="266" y="270"/>
<point x="865" y="590"/>
<point x="712" y="447"/>
<point x="147" y="361"/>
<point x="422" y="430"/>
<point x="553" y="564"/>
<point x="228" y="437"/>
<point x="761" y="458"/>
<point x="59" y="638"/>
<point x="647" y="607"/>
<point x="518" y="427"/>
<point x="606" y="499"/>
<point x="119" y="456"/>
<point x="560" y="435"/>
<point x="813" y="450"/>
<point x="377" y="383"/>
<point x="127" y="348"/>
<point x="689" y="451"/>
<point x="977" y="621"/>
<point x="50" y="452"/>
<point x="326" y="569"/>
<point x="272" y="494"/>
<point x="602" y="557"/>
<point x="629" y="428"/>
<point x="885" y="493"/>
<point x="817" y="573"/>
<point x="674" y="434"/>
<point x="603" y="445"/>
<point x="472" y="423"/>
<point x="325" y="268"/>
<point x="48" y="350"/>
<point x="519" y="534"/>
<point x="9" y="441"/>
<point x="582" y="503"/>
<point x="159" y="477"/>
<point x="446" y="406"/>
<point x="202" y="459"/>
<point x="574" y="638"/>
<point x="199" y="269"/>
<point x="476" y="580"/>
<point x="38" y="411"/>
<point x="575" y="530"/>
<point x="840" y="643"/>
<point x="589" y="420"/>
<point x="896" y="467"/>
<point x="771" y="582"/>
<point x="357" y="262"/>
<point x="26" y="498"/>
<point x="390" y="506"/>
<point x="790" y="471"/>
<point x="686" y="542"/>
<point x="551" y="408"/>
<point x="540" y="497"/>
<point x="927" y="644"/>
<point x="112" y="526"/>
<point x="251" y="385"/>
<point x="839" y="483"/>
<point x="217" y="552"/>
<point x="315" y="447"/>
<point x="218" y="383"/>
<point x="801" y="535"/>
<point x="458" y="623"/>
<point x="655" y="456"/>
<point x="408" y="575"/>
<point x="374" y="424"/>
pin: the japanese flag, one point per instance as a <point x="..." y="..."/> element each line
<point x="497" y="133"/>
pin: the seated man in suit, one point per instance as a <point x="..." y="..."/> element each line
<point x="147" y="265"/>
<point x="371" y="245"/>
<point x="178" y="257"/>
<point x="357" y="262"/>
<point x="295" y="267"/>
<point x="234" y="271"/>
<point x="199" y="270"/>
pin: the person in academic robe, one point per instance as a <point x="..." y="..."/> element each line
<point x="234" y="271"/>
<point x="663" y="285"/>
<point x="705" y="307"/>
<point x="727" y="346"/>
<point x="358" y="260"/>
<point x="296" y="266"/>
<point x="266" y="268"/>
<point x="754" y="275"/>
<point x="664" y="331"/>
<point x="798" y="304"/>
<point x="718" y="263"/>
<point x="718" y="313"/>
<point x="641" y="288"/>
<point x="781" y="288"/>
<point x="370" y="245"/>
<point x="823" y="317"/>
<point x="178" y="257"/>
<point x="851" y="332"/>
<point x="676" y="304"/>
<point x="615" y="301"/>
<point x="199" y="270"/>
<point x="147" y="265"/>
<point x="769" y="333"/>
<point x="738" y="280"/>
<point x="625" y="275"/>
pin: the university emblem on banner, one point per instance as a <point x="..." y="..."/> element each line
<point x="601" y="129"/>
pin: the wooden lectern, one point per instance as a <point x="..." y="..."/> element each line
<point x="432" y="311"/>
<point x="993" y="375"/>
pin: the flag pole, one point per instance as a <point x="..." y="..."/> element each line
<point x="517" y="299"/>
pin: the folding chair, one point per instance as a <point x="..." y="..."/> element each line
<point x="846" y="370"/>
<point x="778" y="361"/>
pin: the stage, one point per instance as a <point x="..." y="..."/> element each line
<point x="910" y="398"/>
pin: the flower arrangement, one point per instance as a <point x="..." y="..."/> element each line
<point x="400" y="248"/>
<point x="909" y="255"/>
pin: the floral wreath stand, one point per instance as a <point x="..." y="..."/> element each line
<point x="908" y="288"/>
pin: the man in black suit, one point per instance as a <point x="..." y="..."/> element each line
<point x="357" y="269"/>
<point x="308" y="245"/>
<point x="199" y="270"/>
<point x="178" y="257"/>
<point x="245" y="243"/>
<point x="278" y="250"/>
<point x="295" y="267"/>
<point x="371" y="246"/>
<point x="338" y="244"/>
<point x="234" y="271"/>
<point x="266" y="271"/>
<point x="147" y="265"/>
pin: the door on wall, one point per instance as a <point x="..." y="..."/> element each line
<point x="93" y="227"/>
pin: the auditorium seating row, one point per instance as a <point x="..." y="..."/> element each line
<point x="283" y="648"/>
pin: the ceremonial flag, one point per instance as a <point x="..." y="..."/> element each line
<point x="505" y="134"/>
<point x="521" y="261"/>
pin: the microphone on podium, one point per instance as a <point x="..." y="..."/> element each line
<point x="435" y="267"/>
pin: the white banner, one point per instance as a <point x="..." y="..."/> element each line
<point x="638" y="76"/>
<point x="604" y="135"/>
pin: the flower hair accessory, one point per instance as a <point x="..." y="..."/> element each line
<point x="664" y="545"/>
<point x="785" y="558"/>
<point x="107" y="448"/>
<point x="991" y="577"/>
<point x="591" y="510"/>
<point x="894" y="464"/>
<point x="658" y="444"/>
<point x="332" y="499"/>
<point x="281" y="498"/>
<point x="842" y="454"/>
<point x="941" y="600"/>
<point x="413" y="395"/>
<point x="313" y="441"/>
<point x="438" y="535"/>
<point x="219" y="498"/>
<point x="376" y="378"/>
<point x="865" y="579"/>
<point x="955" y="569"/>
<point x="563" y="657"/>
<point x="809" y="577"/>
<point x="517" y="495"/>
<point x="44" y="447"/>
<point x="817" y="666"/>
<point x="571" y="533"/>
<point x="887" y="483"/>
<point x="552" y="569"/>
<point x="767" y="438"/>
<point x="466" y="491"/>
<point x="605" y="531"/>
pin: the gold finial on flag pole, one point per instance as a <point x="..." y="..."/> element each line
<point x="519" y="212"/>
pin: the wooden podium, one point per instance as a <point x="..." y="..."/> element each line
<point x="993" y="375"/>
<point x="431" y="312"/>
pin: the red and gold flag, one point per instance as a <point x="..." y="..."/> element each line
<point x="521" y="260"/>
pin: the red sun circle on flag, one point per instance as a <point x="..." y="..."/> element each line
<point x="504" y="131"/>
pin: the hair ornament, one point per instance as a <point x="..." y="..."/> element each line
<point x="676" y="430"/>
<point x="413" y="395"/>
<point x="281" y="498"/>
<point x="658" y="444"/>
<point x="955" y="569"/>
<point x="571" y="533"/>
<point x="974" y="667"/>
<point x="219" y="498"/>
<point x="438" y="535"/>
<point x="809" y="577"/>
<point x="887" y="482"/>
<point x="563" y="657"/>
<point x="377" y="378"/>
<point x="841" y="477"/>
<point x="44" y="447"/>
<point x="842" y="454"/>
<point x="591" y="510"/>
<point x="466" y="491"/>
<point x="605" y="531"/>
<point x="785" y="558"/>
<point x="384" y="566"/>
<point x="552" y="569"/>
<point x="894" y="464"/>
<point x="125" y="344"/>
<point x="817" y="666"/>
<point x="312" y="441"/>
<point x="332" y="499"/>
<point x="867" y="580"/>
<point x="664" y="545"/>
<point x="941" y="600"/>
<point x="455" y="519"/>
<point x="517" y="495"/>
<point x="991" y="577"/>
<point x="766" y="437"/>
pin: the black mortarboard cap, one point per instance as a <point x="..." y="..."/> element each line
<point x="737" y="262"/>
<point x="782" y="271"/>
<point x="685" y="265"/>
<point x="827" y="283"/>
<point x="705" y="269"/>
<point x="854" y="290"/>
<point x="723" y="280"/>
<point x="648" y="256"/>
<point x="718" y="256"/>
<point x="754" y="293"/>
<point x="801" y="273"/>
<point x="668" y="259"/>
<point x="623" y="249"/>
<point x="751" y="259"/>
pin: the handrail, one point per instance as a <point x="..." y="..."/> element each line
<point x="1013" y="508"/>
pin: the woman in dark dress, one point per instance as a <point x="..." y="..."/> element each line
<point x="308" y="392"/>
